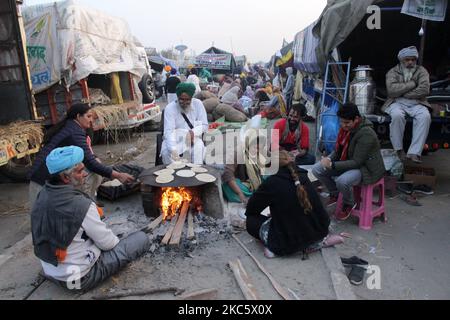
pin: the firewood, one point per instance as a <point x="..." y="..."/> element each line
<point x="281" y="291"/>
<point x="169" y="232"/>
<point x="190" y="234"/>
<point x="176" y="235"/>
<point x="153" y="224"/>
<point x="206" y="294"/>
<point x="243" y="280"/>
<point x="176" y="291"/>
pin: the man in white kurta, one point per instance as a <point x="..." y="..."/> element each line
<point x="182" y="138"/>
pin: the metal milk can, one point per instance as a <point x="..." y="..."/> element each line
<point x="363" y="90"/>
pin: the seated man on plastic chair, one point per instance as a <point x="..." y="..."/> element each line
<point x="356" y="159"/>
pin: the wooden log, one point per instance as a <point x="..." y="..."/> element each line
<point x="176" y="292"/>
<point x="243" y="280"/>
<point x="281" y="291"/>
<point x="153" y="224"/>
<point x="190" y="234"/>
<point x="176" y="235"/>
<point x="205" y="294"/>
<point x="169" y="232"/>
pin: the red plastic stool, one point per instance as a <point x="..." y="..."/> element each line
<point x="366" y="209"/>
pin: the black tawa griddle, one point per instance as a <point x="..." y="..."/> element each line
<point x="148" y="178"/>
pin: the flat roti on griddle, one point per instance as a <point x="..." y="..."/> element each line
<point x="205" y="177"/>
<point x="199" y="170"/>
<point x="164" y="172"/>
<point x="186" y="173"/>
<point x="176" y="165"/>
<point x="165" y="179"/>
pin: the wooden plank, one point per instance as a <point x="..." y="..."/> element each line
<point x="281" y="291"/>
<point x="243" y="280"/>
<point x="205" y="294"/>
<point x="190" y="234"/>
<point x="153" y="224"/>
<point x="168" y="234"/>
<point x="176" y="235"/>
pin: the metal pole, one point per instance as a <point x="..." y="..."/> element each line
<point x="423" y="41"/>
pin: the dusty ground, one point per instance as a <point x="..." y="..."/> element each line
<point x="411" y="249"/>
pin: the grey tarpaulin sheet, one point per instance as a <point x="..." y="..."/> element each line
<point x="336" y="22"/>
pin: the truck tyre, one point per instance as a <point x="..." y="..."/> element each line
<point x="17" y="169"/>
<point x="147" y="87"/>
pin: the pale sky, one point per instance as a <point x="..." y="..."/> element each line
<point x="254" y="28"/>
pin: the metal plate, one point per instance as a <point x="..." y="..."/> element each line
<point x="148" y="178"/>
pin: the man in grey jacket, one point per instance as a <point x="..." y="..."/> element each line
<point x="408" y="86"/>
<point x="76" y="249"/>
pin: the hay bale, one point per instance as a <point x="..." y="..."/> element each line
<point x="210" y="104"/>
<point x="230" y="113"/>
<point x="203" y="95"/>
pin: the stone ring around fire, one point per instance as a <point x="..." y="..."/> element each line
<point x="186" y="173"/>
<point x="205" y="177"/>
<point x="164" y="172"/>
<point x="165" y="179"/>
<point x="199" y="170"/>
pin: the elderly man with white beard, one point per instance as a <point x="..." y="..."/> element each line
<point x="408" y="86"/>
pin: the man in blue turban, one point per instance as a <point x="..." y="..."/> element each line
<point x="76" y="249"/>
<point x="185" y="122"/>
<point x="408" y="86"/>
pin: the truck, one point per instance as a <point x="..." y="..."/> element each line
<point x="20" y="130"/>
<point x="58" y="54"/>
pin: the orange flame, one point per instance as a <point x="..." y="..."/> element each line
<point x="171" y="201"/>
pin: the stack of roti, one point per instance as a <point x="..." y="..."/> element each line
<point x="184" y="170"/>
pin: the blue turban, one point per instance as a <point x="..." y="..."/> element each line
<point x="408" y="52"/>
<point x="186" y="87"/>
<point x="61" y="159"/>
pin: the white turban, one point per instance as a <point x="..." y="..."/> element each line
<point x="408" y="52"/>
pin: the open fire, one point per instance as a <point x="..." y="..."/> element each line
<point x="172" y="200"/>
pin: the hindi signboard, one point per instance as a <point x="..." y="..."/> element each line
<point x="213" y="61"/>
<point x="434" y="10"/>
<point x="42" y="50"/>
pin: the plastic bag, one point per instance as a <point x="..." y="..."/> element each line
<point x="392" y="162"/>
<point x="330" y="127"/>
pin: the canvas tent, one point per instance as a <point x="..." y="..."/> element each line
<point x="217" y="60"/>
<point x="284" y="57"/>
<point x="343" y="26"/>
<point x="66" y="40"/>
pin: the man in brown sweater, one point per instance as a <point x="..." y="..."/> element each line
<point x="408" y="86"/>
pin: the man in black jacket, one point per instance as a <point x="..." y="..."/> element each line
<point x="298" y="220"/>
<point x="72" y="131"/>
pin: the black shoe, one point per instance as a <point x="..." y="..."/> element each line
<point x="405" y="188"/>
<point x="354" y="261"/>
<point x="423" y="189"/>
<point x="356" y="275"/>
